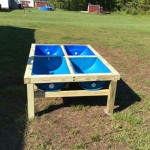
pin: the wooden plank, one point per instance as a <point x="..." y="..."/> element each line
<point x="33" y="46"/>
<point x="30" y="96"/>
<point x="111" y="98"/>
<point x="28" y="71"/>
<point x="72" y="78"/>
<point x="73" y="93"/>
<point x="28" y="68"/>
<point x="68" y="61"/>
<point x="63" y="49"/>
<point x="103" y="60"/>
<point x="32" y="50"/>
<point x="61" y="44"/>
<point x="27" y="75"/>
<point x="82" y="56"/>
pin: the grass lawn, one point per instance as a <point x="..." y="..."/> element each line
<point x="76" y="123"/>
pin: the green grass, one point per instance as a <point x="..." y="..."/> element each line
<point x="78" y="107"/>
<point x="136" y="140"/>
<point x="80" y="145"/>
<point x="129" y="118"/>
<point x="95" y="137"/>
<point x="122" y="39"/>
<point x="73" y="132"/>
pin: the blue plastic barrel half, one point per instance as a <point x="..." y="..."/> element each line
<point x="51" y="86"/>
<point x="50" y="66"/>
<point x="89" y="65"/>
<point x="48" y="50"/>
<point x="78" y="50"/>
<point x="93" y="85"/>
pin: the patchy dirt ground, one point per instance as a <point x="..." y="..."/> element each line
<point x="68" y="125"/>
<point x="80" y="123"/>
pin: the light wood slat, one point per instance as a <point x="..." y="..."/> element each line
<point x="74" y="93"/>
<point x="68" y="61"/>
<point x="28" y="71"/>
<point x="61" y="44"/>
<point x="111" y="98"/>
<point x="30" y="97"/>
<point x="71" y="78"/>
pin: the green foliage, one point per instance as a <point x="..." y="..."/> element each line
<point x="133" y="7"/>
<point x="80" y="145"/>
<point x="78" y="107"/>
<point x="129" y="135"/>
<point x="129" y="118"/>
<point x="52" y="3"/>
<point x="131" y="11"/>
<point x="95" y="137"/>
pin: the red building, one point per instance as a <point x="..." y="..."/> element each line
<point x="40" y="3"/>
<point x="94" y="8"/>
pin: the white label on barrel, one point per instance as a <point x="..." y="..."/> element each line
<point x="51" y="86"/>
<point x="93" y="85"/>
<point x="76" y="53"/>
<point x="48" y="53"/>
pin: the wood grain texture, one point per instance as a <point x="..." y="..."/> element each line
<point x="30" y="97"/>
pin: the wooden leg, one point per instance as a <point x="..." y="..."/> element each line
<point x="111" y="98"/>
<point x="30" y="93"/>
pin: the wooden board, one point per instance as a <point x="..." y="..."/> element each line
<point x="73" y="93"/>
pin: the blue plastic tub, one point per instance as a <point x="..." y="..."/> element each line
<point x="50" y="66"/>
<point x="93" y="85"/>
<point x="46" y="8"/>
<point x="78" y="50"/>
<point x="51" y="86"/>
<point x="84" y="65"/>
<point x="48" y="50"/>
<point x="88" y="66"/>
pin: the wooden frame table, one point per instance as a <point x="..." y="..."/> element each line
<point x="31" y="80"/>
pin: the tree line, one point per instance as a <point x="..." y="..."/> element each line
<point x="129" y="6"/>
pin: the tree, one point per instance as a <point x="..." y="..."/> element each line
<point x="106" y="4"/>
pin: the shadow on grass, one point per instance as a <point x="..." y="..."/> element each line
<point x="14" y="50"/>
<point x="6" y="10"/>
<point x="125" y="97"/>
